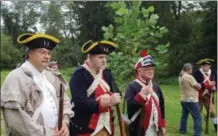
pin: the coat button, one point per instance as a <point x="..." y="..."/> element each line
<point x="80" y="128"/>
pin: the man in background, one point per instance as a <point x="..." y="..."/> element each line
<point x="189" y="100"/>
<point x="208" y="80"/>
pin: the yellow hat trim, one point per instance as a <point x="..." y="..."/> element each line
<point x="96" y="43"/>
<point x="201" y="61"/>
<point x="35" y="36"/>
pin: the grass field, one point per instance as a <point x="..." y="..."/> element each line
<point x="172" y="107"/>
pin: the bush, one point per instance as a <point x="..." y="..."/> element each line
<point x="10" y="55"/>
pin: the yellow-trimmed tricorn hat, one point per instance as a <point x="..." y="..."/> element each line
<point x="205" y="61"/>
<point x="100" y="47"/>
<point x="33" y="41"/>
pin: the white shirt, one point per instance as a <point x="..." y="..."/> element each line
<point x="48" y="106"/>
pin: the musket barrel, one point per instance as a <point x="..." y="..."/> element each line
<point x="60" y="112"/>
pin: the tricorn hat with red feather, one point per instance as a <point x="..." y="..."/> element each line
<point x="145" y="60"/>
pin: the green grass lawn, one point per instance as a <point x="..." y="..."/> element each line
<point x="172" y="107"/>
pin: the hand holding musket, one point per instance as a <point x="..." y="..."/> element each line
<point x="145" y="90"/>
<point x="121" y="122"/>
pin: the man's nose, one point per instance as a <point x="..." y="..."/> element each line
<point x="47" y="55"/>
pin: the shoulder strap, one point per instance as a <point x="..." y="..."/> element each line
<point x="36" y="113"/>
<point x="96" y="81"/>
<point x="94" y="84"/>
<point x="135" y="115"/>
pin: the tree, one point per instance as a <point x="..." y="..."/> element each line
<point x="91" y="15"/>
<point x="209" y="27"/>
<point x="135" y="29"/>
<point x="10" y="55"/>
<point x="20" y="17"/>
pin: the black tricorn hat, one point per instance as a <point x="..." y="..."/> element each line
<point x="100" y="47"/>
<point x="33" y="41"/>
<point x="205" y="61"/>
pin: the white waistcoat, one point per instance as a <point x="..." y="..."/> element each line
<point x="48" y="107"/>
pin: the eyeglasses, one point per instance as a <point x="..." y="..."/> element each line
<point x="147" y="69"/>
<point x="43" y="52"/>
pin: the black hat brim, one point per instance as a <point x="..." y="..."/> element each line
<point x="101" y="47"/>
<point x="33" y="41"/>
<point x="205" y="61"/>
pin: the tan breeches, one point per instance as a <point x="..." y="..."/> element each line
<point x="103" y="132"/>
<point x="205" y="101"/>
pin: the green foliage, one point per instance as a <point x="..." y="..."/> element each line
<point x="133" y="25"/>
<point x="52" y="20"/>
<point x="135" y="29"/>
<point x="90" y="16"/>
<point x="20" y="17"/>
<point x="209" y="24"/>
<point x="67" y="53"/>
<point x="10" y="55"/>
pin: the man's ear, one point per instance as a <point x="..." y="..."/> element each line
<point x="90" y="56"/>
<point x="30" y="53"/>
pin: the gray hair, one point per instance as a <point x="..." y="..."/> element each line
<point x="26" y="52"/>
<point x="186" y="67"/>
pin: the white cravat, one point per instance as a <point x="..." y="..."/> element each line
<point x="48" y="106"/>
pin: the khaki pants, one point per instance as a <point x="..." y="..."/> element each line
<point x="103" y="132"/>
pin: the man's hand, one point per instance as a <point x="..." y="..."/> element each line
<point x="163" y="131"/>
<point x="146" y="90"/>
<point x="64" y="131"/>
<point x="105" y="100"/>
<point x="212" y="83"/>
<point x="115" y="99"/>
<point x="197" y="86"/>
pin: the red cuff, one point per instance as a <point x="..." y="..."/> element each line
<point x="102" y="109"/>
<point x="140" y="99"/>
<point x="163" y="123"/>
<point x="206" y="85"/>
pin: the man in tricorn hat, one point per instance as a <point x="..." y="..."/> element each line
<point x="30" y="93"/>
<point x="145" y="101"/>
<point x="93" y="92"/>
<point x="207" y="78"/>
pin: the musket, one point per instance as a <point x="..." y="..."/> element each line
<point x="208" y="114"/>
<point x="208" y="110"/>
<point x="121" y="122"/>
<point x="61" y="104"/>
